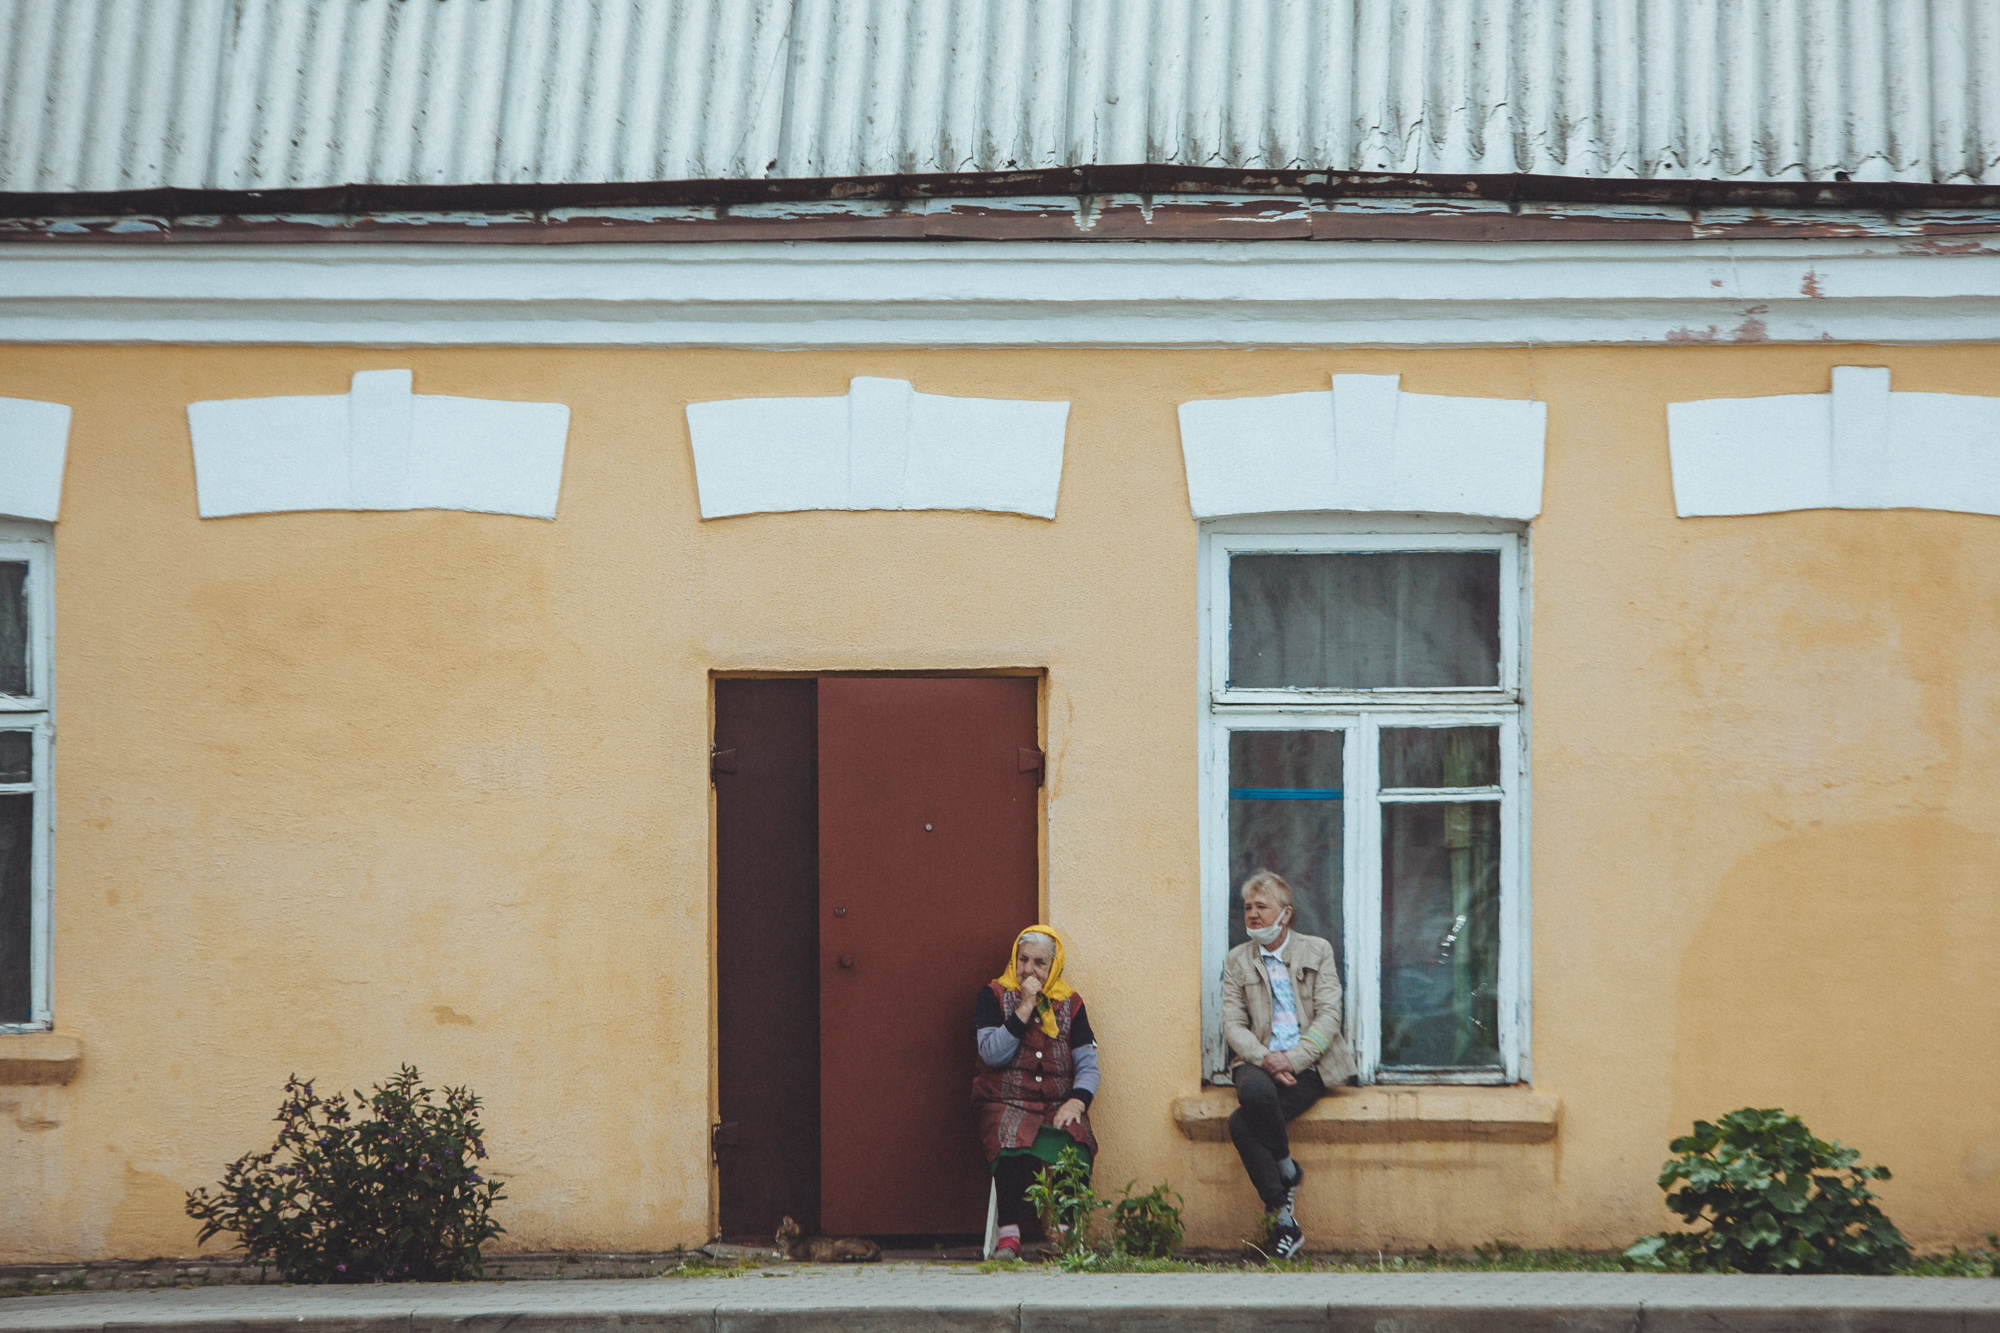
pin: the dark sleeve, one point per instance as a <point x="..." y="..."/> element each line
<point x="1079" y="1029"/>
<point x="985" y="1014"/>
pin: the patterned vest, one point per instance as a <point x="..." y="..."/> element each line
<point x="1015" y="1101"/>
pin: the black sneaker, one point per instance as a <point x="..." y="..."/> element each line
<point x="1292" y="1190"/>
<point x="1286" y="1239"/>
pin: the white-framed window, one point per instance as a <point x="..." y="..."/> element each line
<point x="26" y="736"/>
<point x="1363" y="707"/>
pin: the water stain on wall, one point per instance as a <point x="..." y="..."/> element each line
<point x="151" y="1217"/>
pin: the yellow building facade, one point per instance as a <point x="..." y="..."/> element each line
<point x="334" y="791"/>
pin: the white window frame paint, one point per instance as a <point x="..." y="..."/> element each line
<point x="35" y="712"/>
<point x="1361" y="714"/>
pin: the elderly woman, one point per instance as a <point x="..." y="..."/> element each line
<point x="1035" y="1074"/>
<point x="1281" y="1020"/>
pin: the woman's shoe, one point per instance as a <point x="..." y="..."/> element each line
<point x="1008" y="1247"/>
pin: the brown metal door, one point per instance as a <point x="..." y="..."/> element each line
<point x="767" y="955"/>
<point x="928" y="866"/>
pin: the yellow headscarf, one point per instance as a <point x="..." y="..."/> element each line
<point x="1054" y="990"/>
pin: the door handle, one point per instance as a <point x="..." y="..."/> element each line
<point x="847" y="960"/>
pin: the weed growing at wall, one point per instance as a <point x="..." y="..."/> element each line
<point x="1062" y="1197"/>
<point x="1147" y="1227"/>
<point x="1774" y="1200"/>
<point x="386" y="1188"/>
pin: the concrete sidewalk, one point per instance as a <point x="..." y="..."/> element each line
<point x="906" y="1298"/>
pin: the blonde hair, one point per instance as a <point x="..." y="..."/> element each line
<point x="1270" y="882"/>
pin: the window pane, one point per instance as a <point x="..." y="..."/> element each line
<point x="1441" y="933"/>
<point x="17" y="756"/>
<point x="1440" y="756"/>
<point x="13" y="627"/>
<point x="1285" y="815"/>
<point x="17" y="823"/>
<point x="1354" y="620"/>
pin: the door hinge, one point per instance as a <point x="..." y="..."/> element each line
<point x="720" y="761"/>
<point x="1031" y="762"/>
<point x="722" y="1136"/>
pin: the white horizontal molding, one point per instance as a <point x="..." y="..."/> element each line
<point x="34" y="443"/>
<point x="1014" y="294"/>
<point x="378" y="446"/>
<point x="882" y="445"/>
<point x="1858" y="447"/>
<point x="1364" y="447"/>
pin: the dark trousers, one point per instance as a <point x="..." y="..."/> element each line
<point x="1258" y="1125"/>
<point x="1011" y="1177"/>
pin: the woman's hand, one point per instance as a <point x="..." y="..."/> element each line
<point x="1067" y="1114"/>
<point x="1031" y="991"/>
<point x="1279" y="1068"/>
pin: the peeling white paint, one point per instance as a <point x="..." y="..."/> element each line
<point x="1005" y="294"/>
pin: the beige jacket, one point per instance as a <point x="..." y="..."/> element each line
<point x="1246" y="1008"/>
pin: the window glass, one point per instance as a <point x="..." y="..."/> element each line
<point x="13" y="627"/>
<point x="1440" y="933"/>
<point x="1440" y="756"/>
<point x="1285" y="794"/>
<point x="17" y="825"/>
<point x="1364" y="620"/>
<point x="17" y="756"/>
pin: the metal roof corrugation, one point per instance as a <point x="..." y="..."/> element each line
<point x="250" y="95"/>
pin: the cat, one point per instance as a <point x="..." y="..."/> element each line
<point x="795" y="1244"/>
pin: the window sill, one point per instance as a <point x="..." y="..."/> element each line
<point x="38" y="1057"/>
<point x="1385" y="1114"/>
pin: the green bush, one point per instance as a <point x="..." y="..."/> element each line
<point x="1774" y="1200"/>
<point x="394" y="1195"/>
<point x="1147" y="1227"/>
<point x="1063" y="1198"/>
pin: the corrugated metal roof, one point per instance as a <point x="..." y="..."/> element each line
<point x="112" y="95"/>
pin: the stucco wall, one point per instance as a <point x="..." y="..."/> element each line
<point x="337" y="791"/>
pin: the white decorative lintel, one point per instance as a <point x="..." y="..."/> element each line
<point x="881" y="445"/>
<point x="378" y="446"/>
<point x="34" y="443"/>
<point x="1365" y="446"/>
<point x="1857" y="447"/>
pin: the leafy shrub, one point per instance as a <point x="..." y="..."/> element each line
<point x="1974" y="1262"/>
<point x="1775" y="1200"/>
<point x="394" y="1195"/>
<point x="1063" y="1198"/>
<point x="1147" y="1227"/>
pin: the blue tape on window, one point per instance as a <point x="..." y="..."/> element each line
<point x="1284" y="793"/>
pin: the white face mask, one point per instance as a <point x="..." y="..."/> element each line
<point x="1268" y="935"/>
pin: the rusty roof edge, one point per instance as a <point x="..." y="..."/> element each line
<point x="1074" y="182"/>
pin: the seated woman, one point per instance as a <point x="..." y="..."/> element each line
<point x="1281" y="1021"/>
<point x="1035" y="1076"/>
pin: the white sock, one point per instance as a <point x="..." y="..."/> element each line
<point x="1288" y="1171"/>
<point x="1008" y="1233"/>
